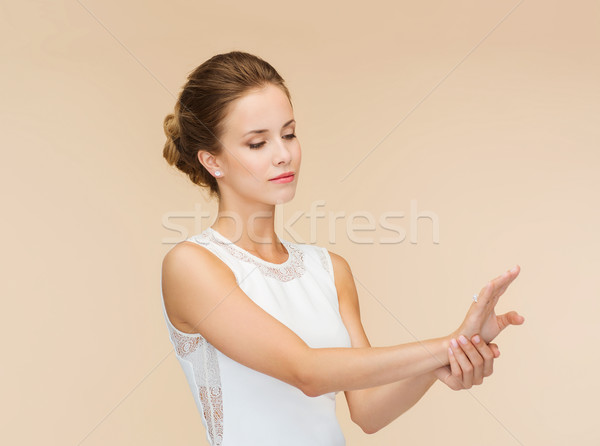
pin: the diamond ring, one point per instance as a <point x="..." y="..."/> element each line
<point x="475" y="297"/>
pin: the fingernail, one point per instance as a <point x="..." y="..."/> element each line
<point x="514" y="270"/>
<point x="454" y="343"/>
<point x="476" y="339"/>
<point x="462" y="339"/>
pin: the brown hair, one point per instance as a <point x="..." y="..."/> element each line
<point x="203" y="104"/>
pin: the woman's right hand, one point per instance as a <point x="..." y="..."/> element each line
<point x="481" y="317"/>
<point x="470" y="362"/>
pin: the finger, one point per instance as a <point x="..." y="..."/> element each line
<point x="494" y="349"/>
<point x="497" y="289"/>
<point x="503" y="281"/>
<point x="515" y="273"/>
<point x="454" y="381"/>
<point x="487" y="354"/>
<point x="498" y="285"/>
<point x="474" y="357"/>
<point x="481" y="308"/>
<point x="444" y="374"/>
<point x="510" y="318"/>
<point x="489" y="295"/>
<point x="464" y="363"/>
<point x="503" y="286"/>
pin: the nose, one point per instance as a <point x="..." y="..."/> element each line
<point x="282" y="154"/>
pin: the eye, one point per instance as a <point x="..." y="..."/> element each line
<point x="256" y="146"/>
<point x="260" y="144"/>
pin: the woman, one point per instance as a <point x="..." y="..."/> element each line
<point x="268" y="331"/>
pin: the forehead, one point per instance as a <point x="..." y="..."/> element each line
<point x="267" y="108"/>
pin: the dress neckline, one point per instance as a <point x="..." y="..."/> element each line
<point x="252" y="256"/>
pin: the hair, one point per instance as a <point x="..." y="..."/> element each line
<point x="197" y="122"/>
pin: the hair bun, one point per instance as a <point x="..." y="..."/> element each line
<point x="171" y="126"/>
<point x="199" y="116"/>
<point x="171" y="150"/>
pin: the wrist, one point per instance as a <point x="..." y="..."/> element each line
<point x="454" y="335"/>
<point x="445" y="355"/>
<point x="462" y="331"/>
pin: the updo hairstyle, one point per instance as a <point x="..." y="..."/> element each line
<point x="198" y="117"/>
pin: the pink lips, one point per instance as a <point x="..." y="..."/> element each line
<point x="284" y="178"/>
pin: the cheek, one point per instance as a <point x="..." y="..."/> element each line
<point x="253" y="167"/>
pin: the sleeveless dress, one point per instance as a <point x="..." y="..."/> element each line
<point x="239" y="405"/>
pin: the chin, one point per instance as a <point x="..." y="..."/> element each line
<point x="285" y="198"/>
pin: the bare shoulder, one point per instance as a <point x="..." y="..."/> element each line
<point x="202" y="296"/>
<point x="188" y="251"/>
<point x="344" y="280"/>
<point x="189" y="257"/>
<point x="189" y="274"/>
<point x="338" y="260"/>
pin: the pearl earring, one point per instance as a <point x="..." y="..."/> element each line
<point x="218" y="173"/>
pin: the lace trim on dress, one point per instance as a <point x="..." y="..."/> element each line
<point x="292" y="268"/>
<point x="203" y="357"/>
<point x="184" y="345"/>
<point x="211" y="393"/>
<point x="324" y="261"/>
<point x="212" y="406"/>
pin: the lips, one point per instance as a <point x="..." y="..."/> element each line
<point x="283" y="175"/>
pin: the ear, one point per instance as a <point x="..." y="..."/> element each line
<point x="209" y="161"/>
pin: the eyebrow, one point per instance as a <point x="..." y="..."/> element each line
<point x="266" y="130"/>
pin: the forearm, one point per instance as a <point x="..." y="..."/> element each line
<point x="339" y="369"/>
<point x="376" y="407"/>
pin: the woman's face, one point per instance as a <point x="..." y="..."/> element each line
<point x="259" y="144"/>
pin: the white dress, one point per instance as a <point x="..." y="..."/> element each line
<point x="239" y="405"/>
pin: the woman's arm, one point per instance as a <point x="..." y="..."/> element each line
<point x="373" y="408"/>
<point x="470" y="365"/>
<point x="202" y="296"/>
<point x="376" y="407"/>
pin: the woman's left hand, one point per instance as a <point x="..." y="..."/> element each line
<point x="469" y="363"/>
<point x="481" y="317"/>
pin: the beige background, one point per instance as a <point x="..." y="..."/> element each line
<point x="484" y="114"/>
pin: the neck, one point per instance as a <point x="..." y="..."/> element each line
<point x="253" y="232"/>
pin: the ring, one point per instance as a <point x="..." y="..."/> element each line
<point x="475" y="297"/>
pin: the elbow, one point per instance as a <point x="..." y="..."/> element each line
<point x="369" y="430"/>
<point x="307" y="382"/>
<point x="369" y="423"/>
<point x="310" y="391"/>
<point x="307" y="379"/>
<point x="365" y="425"/>
<point x="364" y="417"/>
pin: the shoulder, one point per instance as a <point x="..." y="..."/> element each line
<point x="185" y="252"/>
<point x="342" y="273"/>
<point x="190" y="259"/>
<point x="338" y="261"/>
<point x="191" y="274"/>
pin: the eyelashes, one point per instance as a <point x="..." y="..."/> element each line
<point x="260" y="144"/>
